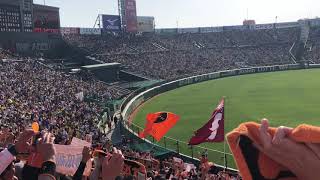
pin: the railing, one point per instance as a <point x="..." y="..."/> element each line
<point x="180" y="147"/>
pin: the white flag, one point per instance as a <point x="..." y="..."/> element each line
<point x="80" y="96"/>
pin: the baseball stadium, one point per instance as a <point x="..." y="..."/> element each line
<point x="125" y="97"/>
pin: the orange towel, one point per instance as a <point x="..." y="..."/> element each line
<point x="254" y="165"/>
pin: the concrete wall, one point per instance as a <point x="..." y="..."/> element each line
<point x="31" y="44"/>
<point x="10" y="2"/>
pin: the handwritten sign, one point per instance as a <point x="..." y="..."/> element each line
<point x="78" y="142"/>
<point x="68" y="157"/>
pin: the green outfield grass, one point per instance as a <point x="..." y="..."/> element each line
<point x="285" y="98"/>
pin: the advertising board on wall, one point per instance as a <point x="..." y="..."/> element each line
<point x="90" y="31"/>
<point x="210" y="29"/>
<point x="111" y="22"/>
<point x="287" y="25"/>
<point x="69" y="30"/>
<point x="206" y="29"/>
<point x="231" y="28"/>
<point x="45" y="30"/>
<point x="264" y="26"/>
<point x="169" y="30"/>
<point x="188" y="30"/>
<point x="315" y="22"/>
<point x="145" y="24"/>
<point x="131" y="16"/>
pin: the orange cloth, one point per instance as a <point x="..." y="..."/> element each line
<point x="158" y="124"/>
<point x="254" y="165"/>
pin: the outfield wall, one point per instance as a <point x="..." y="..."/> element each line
<point x="134" y="100"/>
<point x="142" y="95"/>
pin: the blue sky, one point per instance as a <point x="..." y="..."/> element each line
<point x="189" y="13"/>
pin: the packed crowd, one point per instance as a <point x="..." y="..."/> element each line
<point x="96" y="163"/>
<point x="313" y="46"/>
<point x="179" y="55"/>
<point x="4" y="54"/>
<point x="174" y="167"/>
<point x="177" y="64"/>
<point x="31" y="92"/>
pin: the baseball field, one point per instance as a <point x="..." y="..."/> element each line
<point x="286" y="98"/>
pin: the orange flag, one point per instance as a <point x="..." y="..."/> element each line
<point x="35" y="127"/>
<point x="158" y="124"/>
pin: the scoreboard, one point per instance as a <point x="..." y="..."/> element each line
<point x="46" y="19"/>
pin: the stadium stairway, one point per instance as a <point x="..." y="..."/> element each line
<point x="198" y="45"/>
<point x="305" y="31"/>
<point x="299" y="47"/>
<point x="133" y="50"/>
<point x="161" y="48"/>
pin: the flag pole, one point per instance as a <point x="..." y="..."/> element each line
<point x="224" y="142"/>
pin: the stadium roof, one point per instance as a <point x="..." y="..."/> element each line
<point x="45" y="7"/>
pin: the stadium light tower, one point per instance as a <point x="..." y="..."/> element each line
<point x="98" y="22"/>
<point x="247" y="13"/>
<point x="121" y="11"/>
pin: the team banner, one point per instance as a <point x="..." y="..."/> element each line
<point x="213" y="130"/>
<point x="158" y="124"/>
<point x="111" y="22"/>
<point x="131" y="16"/>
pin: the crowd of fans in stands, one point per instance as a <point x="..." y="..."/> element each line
<point x="179" y="55"/>
<point x="107" y="164"/>
<point x="32" y="92"/>
<point x="29" y="91"/>
<point x="313" y="46"/>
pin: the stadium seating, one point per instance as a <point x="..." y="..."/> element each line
<point x="180" y="55"/>
<point x="32" y="92"/>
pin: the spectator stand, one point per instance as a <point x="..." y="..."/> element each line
<point x="169" y="147"/>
